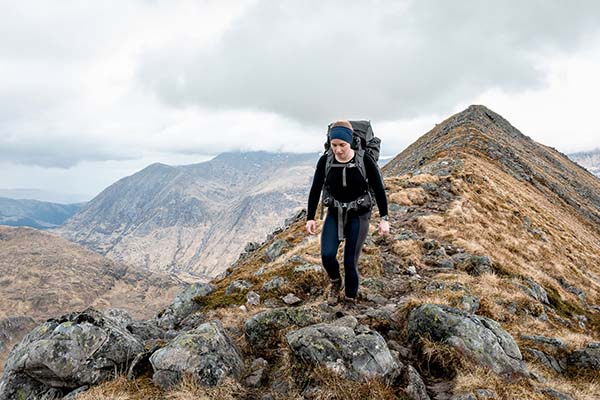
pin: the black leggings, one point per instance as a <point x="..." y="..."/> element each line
<point x="357" y="227"/>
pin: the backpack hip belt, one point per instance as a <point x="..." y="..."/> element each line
<point x="342" y="212"/>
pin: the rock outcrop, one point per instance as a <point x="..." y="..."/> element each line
<point x="63" y="354"/>
<point x="478" y="338"/>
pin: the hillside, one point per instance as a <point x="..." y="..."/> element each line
<point x="590" y="160"/>
<point x="487" y="288"/>
<point x="193" y="219"/>
<point x="35" y="214"/>
<point x="43" y="275"/>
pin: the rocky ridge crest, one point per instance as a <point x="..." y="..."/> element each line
<point x="488" y="288"/>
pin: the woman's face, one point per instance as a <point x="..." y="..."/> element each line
<point x="340" y="148"/>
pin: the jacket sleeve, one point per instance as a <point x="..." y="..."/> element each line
<point x="315" y="190"/>
<point x="376" y="183"/>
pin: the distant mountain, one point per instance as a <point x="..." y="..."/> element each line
<point x="34" y="213"/>
<point x="44" y="195"/>
<point x="194" y="218"/>
<point x="590" y="160"/>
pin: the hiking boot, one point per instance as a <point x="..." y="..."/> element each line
<point x="334" y="292"/>
<point x="349" y="303"/>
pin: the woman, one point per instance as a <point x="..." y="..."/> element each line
<point x="356" y="221"/>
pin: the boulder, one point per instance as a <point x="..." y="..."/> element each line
<point x="206" y="353"/>
<point x="183" y="305"/>
<point x="275" y="249"/>
<point x="481" y="339"/>
<point x="66" y="353"/>
<point x="262" y="329"/>
<point x="353" y="351"/>
<point x="587" y="358"/>
<point x="238" y="286"/>
<point x="275" y="283"/>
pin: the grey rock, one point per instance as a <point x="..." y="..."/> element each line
<point x="406" y="235"/>
<point x="415" y="387"/>
<point x="463" y="396"/>
<point x="262" y="329"/>
<point x="479" y="265"/>
<point x="575" y="290"/>
<point x="308" y="267"/>
<point x="483" y="394"/>
<point x="275" y="283"/>
<point x="238" y="286"/>
<point x="587" y="358"/>
<point x="260" y="271"/>
<point x="207" y="353"/>
<point x="352" y="351"/>
<point x="411" y="270"/>
<point x="375" y="284"/>
<point x="547" y="360"/>
<point x="536" y="291"/>
<point x="556" y="394"/>
<point x="146" y="330"/>
<point x="275" y="249"/>
<point x="19" y="386"/>
<point x="553" y="343"/>
<point x="121" y="317"/>
<point x="470" y="303"/>
<point x="479" y="338"/>
<point x="183" y="305"/>
<point x="291" y="299"/>
<point x="74" y="350"/>
<point x="257" y="376"/>
<point x="252" y="298"/>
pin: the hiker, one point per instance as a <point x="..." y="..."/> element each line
<point x="347" y="194"/>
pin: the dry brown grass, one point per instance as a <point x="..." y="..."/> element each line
<point x="409" y="197"/>
<point x="122" y="389"/>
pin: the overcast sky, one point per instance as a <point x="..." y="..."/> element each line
<point x="92" y="91"/>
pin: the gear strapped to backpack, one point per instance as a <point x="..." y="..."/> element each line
<point x="364" y="143"/>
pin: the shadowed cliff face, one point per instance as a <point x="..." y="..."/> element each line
<point x="195" y="218"/>
<point x="487" y="287"/>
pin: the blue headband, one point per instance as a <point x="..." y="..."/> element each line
<point x="341" y="132"/>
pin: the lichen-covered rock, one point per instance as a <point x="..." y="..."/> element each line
<point x="275" y="249"/>
<point x="74" y="350"/>
<point x="121" y="317"/>
<point x="355" y="352"/>
<point x="587" y="358"/>
<point x="238" y="286"/>
<point x="183" y="305"/>
<point x="415" y="387"/>
<point x="207" y="353"/>
<point x="478" y="338"/>
<point x="275" y="283"/>
<point x="262" y="329"/>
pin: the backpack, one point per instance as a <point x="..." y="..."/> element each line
<point x="365" y="144"/>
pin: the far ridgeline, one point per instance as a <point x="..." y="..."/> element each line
<point x="487" y="288"/>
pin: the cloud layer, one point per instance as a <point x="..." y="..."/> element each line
<point x="120" y="81"/>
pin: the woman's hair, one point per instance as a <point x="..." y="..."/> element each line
<point x="344" y="123"/>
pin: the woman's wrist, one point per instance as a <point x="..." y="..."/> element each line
<point x="385" y="218"/>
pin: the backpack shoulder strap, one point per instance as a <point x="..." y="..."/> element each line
<point x="360" y="162"/>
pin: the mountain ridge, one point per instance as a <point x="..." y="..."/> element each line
<point x="191" y="218"/>
<point x="487" y="287"/>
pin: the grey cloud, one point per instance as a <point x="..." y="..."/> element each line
<point x="59" y="153"/>
<point x="314" y="61"/>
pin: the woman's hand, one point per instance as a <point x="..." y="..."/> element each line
<point x="311" y="227"/>
<point x="384" y="228"/>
